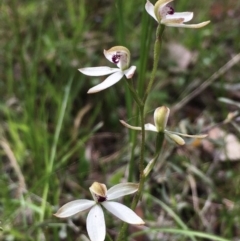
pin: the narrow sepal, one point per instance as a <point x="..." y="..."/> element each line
<point x="122" y="212"/>
<point x="74" y="207"/>
<point x="121" y="190"/>
<point x="98" y="71"/>
<point x="175" y="138"/>
<point x="109" y="81"/>
<point x="200" y="136"/>
<point x="148" y="127"/>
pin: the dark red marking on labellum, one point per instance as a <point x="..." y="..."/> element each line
<point x="101" y="199"/>
<point x="170" y="10"/>
<point x="116" y="58"/>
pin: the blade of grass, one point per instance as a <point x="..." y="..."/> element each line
<point x="49" y="167"/>
<point x="170" y="212"/>
<point x="188" y="233"/>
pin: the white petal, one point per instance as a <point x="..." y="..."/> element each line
<point x="109" y="81"/>
<point x="186" y="16"/>
<point x="122" y="212"/>
<point x="98" y="71"/>
<point x="96" y="224"/>
<point x="150" y="9"/>
<point x="74" y="207"/>
<point x="121" y="189"/>
<point x="199" y="25"/>
<point x="130" y="72"/>
<point x="186" y="135"/>
<point x="150" y="127"/>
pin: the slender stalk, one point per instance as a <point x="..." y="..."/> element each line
<point x="159" y="144"/>
<point x="131" y="166"/>
<point x="133" y="92"/>
<point x="133" y="141"/>
<point x="145" y="43"/>
<point x="121" y="38"/>
<point x="141" y="105"/>
<point x="157" y="49"/>
<point x="141" y="169"/>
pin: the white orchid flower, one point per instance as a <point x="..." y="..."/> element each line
<point x="165" y="15"/>
<point x="161" y="115"/>
<point x="96" y="227"/>
<point x="118" y="55"/>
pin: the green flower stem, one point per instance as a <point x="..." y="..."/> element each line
<point x="129" y="83"/>
<point x="159" y="144"/>
<point x="133" y="92"/>
<point x="141" y="105"/>
<point x="157" y="49"/>
<point x="131" y="168"/>
<point x="141" y="162"/>
<point x="137" y="197"/>
<point x="139" y="102"/>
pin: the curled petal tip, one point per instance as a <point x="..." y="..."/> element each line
<point x="200" y="25"/>
<point x="206" y="22"/>
<point x="58" y="216"/>
<point x="91" y="91"/>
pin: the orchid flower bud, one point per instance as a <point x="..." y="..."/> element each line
<point x="161" y="115"/>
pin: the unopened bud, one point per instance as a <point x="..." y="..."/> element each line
<point x="161" y="115"/>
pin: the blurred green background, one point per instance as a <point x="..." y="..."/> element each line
<point x="55" y="139"/>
